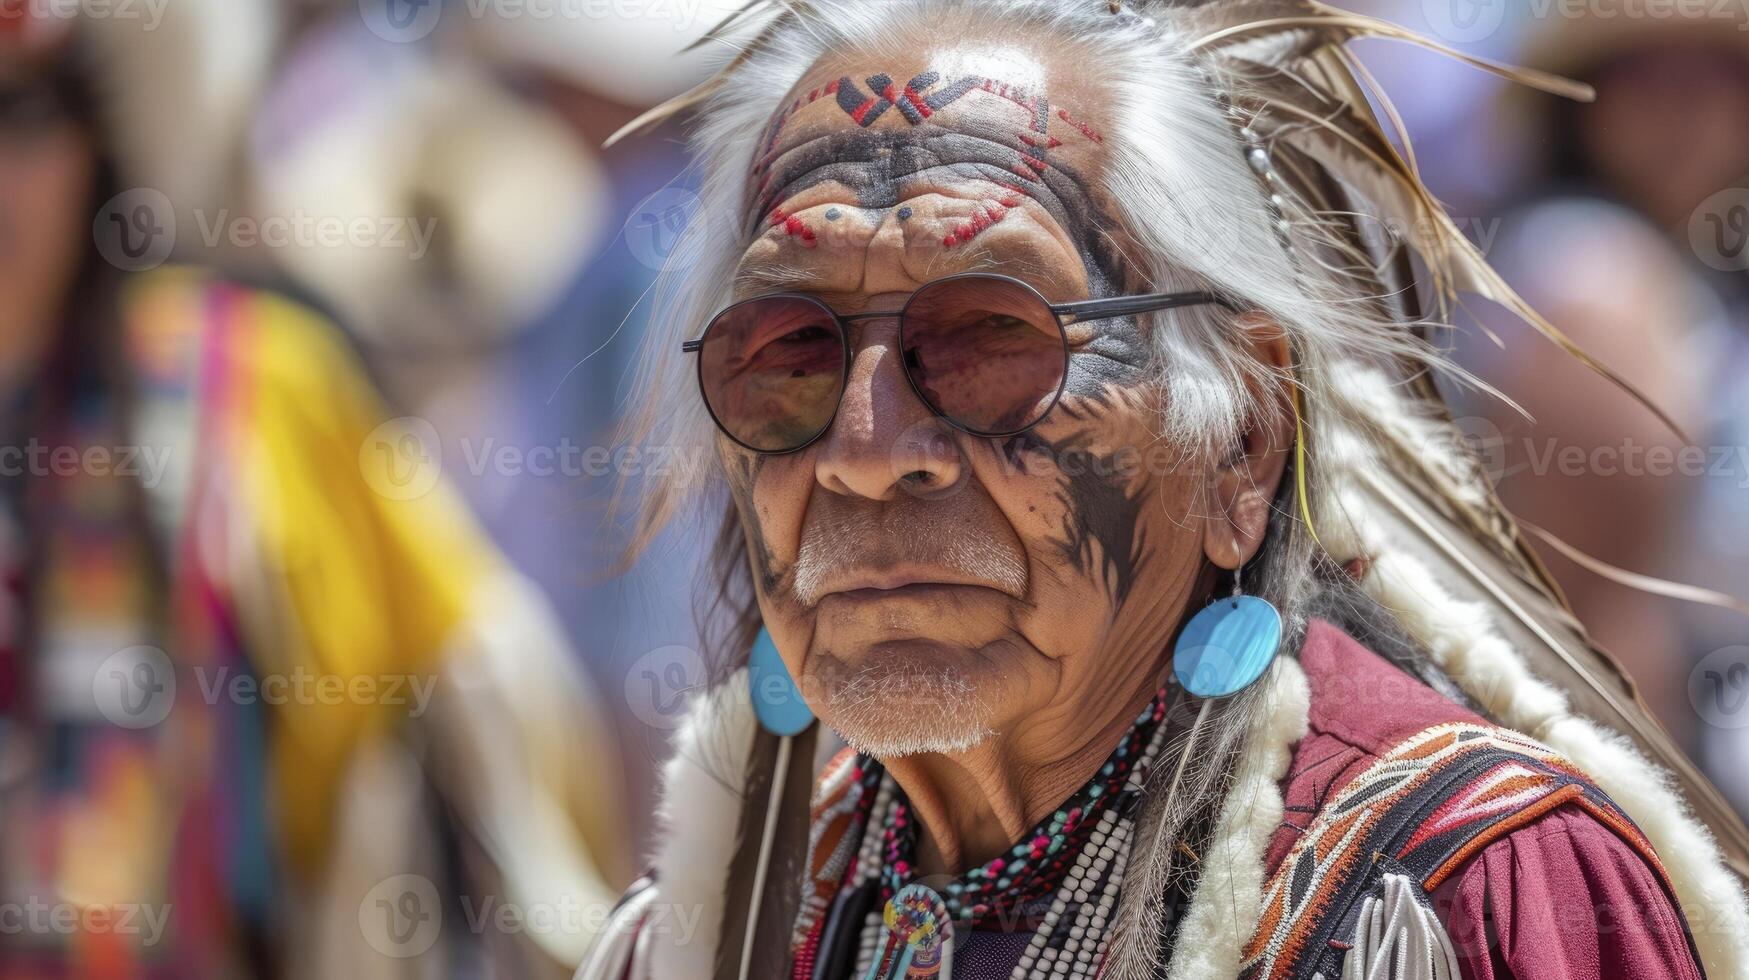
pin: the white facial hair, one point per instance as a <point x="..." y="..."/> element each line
<point x="890" y="711"/>
<point x="883" y="538"/>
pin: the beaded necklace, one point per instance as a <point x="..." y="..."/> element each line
<point x="1076" y="857"/>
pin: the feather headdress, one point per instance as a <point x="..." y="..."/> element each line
<point x="1388" y="478"/>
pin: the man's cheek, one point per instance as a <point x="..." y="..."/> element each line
<point x="773" y="503"/>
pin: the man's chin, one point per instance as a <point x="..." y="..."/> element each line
<point x="884" y="740"/>
<point x="895" y="706"/>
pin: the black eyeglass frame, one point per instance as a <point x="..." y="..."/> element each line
<point x="1065" y="314"/>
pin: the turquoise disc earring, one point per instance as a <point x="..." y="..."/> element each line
<point x="778" y="705"/>
<point x="776" y="699"/>
<point x="1228" y="645"/>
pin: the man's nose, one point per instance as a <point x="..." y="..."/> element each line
<point x="885" y="440"/>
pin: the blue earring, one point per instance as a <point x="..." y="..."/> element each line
<point x="776" y="699"/>
<point x="781" y="711"/>
<point x="1227" y="646"/>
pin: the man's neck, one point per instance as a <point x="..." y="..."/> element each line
<point x="972" y="806"/>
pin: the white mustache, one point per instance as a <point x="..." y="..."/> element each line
<point x="882" y="541"/>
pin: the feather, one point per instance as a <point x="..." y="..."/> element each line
<point x="1357" y="152"/>
<point x="1551" y="641"/>
<point x="1311" y="107"/>
<point x="702" y="92"/>
<point x="1138" y="924"/>
<point x="1313" y="25"/>
<point x="721" y="30"/>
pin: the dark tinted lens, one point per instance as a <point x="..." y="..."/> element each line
<point x="986" y="352"/>
<point x="772" y="371"/>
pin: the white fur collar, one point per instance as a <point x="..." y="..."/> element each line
<point x="700" y="819"/>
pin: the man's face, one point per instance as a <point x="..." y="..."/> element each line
<point x="927" y="587"/>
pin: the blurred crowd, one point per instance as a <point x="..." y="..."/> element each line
<point x="316" y="320"/>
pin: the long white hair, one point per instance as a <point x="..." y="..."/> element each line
<point x="1244" y="157"/>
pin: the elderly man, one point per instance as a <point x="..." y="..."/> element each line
<point x="1083" y="475"/>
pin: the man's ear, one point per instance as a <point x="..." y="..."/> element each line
<point x="1243" y="481"/>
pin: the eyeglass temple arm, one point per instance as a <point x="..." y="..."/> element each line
<point x="1100" y="309"/>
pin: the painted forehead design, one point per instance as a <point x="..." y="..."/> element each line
<point x="879" y="138"/>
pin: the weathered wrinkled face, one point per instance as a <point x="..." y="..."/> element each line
<point x="927" y="587"/>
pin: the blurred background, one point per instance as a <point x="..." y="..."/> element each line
<point x="316" y="319"/>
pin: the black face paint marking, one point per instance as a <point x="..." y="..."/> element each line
<point x="743" y="475"/>
<point x="1101" y="531"/>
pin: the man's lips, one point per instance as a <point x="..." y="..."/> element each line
<point x="910" y="591"/>
<point x="859" y="586"/>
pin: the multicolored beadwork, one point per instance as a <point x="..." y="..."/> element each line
<point x="1075" y="859"/>
<point x="1035" y="866"/>
<point x="917" y="937"/>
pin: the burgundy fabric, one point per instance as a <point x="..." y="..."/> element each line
<point x="1361" y="708"/>
<point x="1561" y="897"/>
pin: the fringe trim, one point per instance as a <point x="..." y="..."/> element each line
<point x="1398" y="938"/>
<point x="1229" y="895"/>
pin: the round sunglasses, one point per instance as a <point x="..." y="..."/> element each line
<point x="987" y="353"/>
